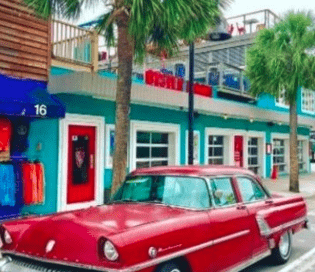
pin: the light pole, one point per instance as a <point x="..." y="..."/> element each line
<point x="219" y="34"/>
<point x="191" y="105"/>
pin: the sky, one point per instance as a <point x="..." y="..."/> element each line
<point x="237" y="7"/>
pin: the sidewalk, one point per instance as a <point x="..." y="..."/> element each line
<point x="281" y="185"/>
<point x="305" y="263"/>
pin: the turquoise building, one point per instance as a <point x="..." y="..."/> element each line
<point x="231" y="127"/>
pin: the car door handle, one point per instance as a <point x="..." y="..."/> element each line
<point x="241" y="207"/>
<point x="269" y="201"/>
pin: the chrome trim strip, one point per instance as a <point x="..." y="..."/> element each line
<point x="145" y="264"/>
<point x="280" y="227"/>
<point x="287" y="225"/>
<point x="230" y="237"/>
<point x="250" y="262"/>
<point x="186" y="251"/>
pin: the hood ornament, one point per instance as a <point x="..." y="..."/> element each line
<point x="50" y="245"/>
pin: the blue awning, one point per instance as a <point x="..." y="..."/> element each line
<point x="29" y="98"/>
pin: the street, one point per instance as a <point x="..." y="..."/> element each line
<point x="303" y="243"/>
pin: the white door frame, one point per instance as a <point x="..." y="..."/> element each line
<point x="80" y="120"/>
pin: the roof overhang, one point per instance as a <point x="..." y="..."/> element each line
<point x="105" y="88"/>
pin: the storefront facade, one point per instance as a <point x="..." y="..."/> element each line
<point x="25" y="105"/>
<point x="157" y="136"/>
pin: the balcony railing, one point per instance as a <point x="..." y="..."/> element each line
<point x="229" y="79"/>
<point x="74" y="44"/>
<point x="251" y="22"/>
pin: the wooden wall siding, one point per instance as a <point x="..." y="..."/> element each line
<point x="24" y="42"/>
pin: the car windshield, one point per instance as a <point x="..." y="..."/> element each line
<point x="188" y="192"/>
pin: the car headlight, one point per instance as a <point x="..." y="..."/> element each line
<point x="110" y="251"/>
<point x="7" y="237"/>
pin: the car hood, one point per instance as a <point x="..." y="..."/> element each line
<point x="76" y="234"/>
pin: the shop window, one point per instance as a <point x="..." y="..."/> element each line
<point x="308" y="100"/>
<point x="152" y="149"/>
<point x="279" y="154"/>
<point x="300" y="155"/>
<point x="215" y="149"/>
<point x="180" y="70"/>
<point x="253" y="164"/>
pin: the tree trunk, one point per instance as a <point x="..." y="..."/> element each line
<point x="294" y="164"/>
<point x="125" y="60"/>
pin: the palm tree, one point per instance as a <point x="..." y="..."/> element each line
<point x="160" y="23"/>
<point x="278" y="61"/>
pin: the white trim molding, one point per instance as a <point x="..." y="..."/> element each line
<point x="154" y="127"/>
<point x="80" y="120"/>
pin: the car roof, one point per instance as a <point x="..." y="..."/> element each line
<point x="195" y="170"/>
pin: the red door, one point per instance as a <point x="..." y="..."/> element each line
<point x="81" y="170"/>
<point x="238" y="151"/>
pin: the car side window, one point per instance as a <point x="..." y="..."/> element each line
<point x="185" y="192"/>
<point x="250" y="190"/>
<point x="222" y="191"/>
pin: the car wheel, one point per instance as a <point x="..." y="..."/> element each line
<point x="169" y="267"/>
<point x="282" y="252"/>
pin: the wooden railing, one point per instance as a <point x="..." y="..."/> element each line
<point x="74" y="44"/>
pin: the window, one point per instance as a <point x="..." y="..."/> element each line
<point x="300" y="155"/>
<point x="215" y="149"/>
<point x="110" y="143"/>
<point x="177" y="191"/>
<point x="250" y="190"/>
<point x="253" y="154"/>
<point x="222" y="191"/>
<point x="281" y="101"/>
<point x="152" y="149"/>
<point x="279" y="154"/>
<point x="308" y="100"/>
<point x="180" y="70"/>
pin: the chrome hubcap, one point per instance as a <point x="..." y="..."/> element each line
<point x="175" y="270"/>
<point x="284" y="245"/>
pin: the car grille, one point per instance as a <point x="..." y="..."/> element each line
<point x="20" y="264"/>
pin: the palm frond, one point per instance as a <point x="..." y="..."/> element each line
<point x="68" y="9"/>
<point x="106" y="28"/>
<point x="278" y="60"/>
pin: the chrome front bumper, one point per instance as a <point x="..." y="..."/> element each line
<point x="8" y="264"/>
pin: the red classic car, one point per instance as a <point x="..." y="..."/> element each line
<point x="162" y="219"/>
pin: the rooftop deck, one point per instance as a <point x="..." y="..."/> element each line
<point x="252" y="22"/>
